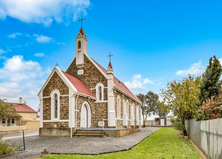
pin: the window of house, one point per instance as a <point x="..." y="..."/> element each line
<point x="3" y="121"/>
<point x="13" y="121"/>
<point x="8" y="122"/>
<point x="79" y="45"/>
<point x="118" y="108"/>
<point x="127" y="109"/>
<point x="100" y="93"/>
<point x="56" y="106"/>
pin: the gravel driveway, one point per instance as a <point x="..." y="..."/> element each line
<point x="83" y="145"/>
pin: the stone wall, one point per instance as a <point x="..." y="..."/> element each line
<point x="55" y="124"/>
<point x="91" y="77"/>
<point x="98" y="111"/>
<point x="47" y="108"/>
<point x="101" y="113"/>
<point x="56" y="83"/>
<point x="64" y="107"/>
<point x="131" y="102"/>
<point x="80" y="101"/>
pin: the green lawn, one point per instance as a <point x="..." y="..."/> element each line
<point x="163" y="144"/>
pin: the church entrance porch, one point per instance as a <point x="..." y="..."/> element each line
<point x="85" y="116"/>
<point x="104" y="132"/>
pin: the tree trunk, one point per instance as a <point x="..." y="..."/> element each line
<point x="184" y="128"/>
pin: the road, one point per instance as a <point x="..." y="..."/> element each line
<point x="19" y="134"/>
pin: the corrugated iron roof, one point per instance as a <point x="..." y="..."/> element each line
<point x="23" y="108"/>
<point x="119" y="85"/>
<point x="78" y="84"/>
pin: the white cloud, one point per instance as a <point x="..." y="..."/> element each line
<point x="137" y="76"/>
<point x="146" y="81"/>
<point x="14" y="35"/>
<point x="135" y="84"/>
<point x="138" y="82"/>
<point x="220" y="61"/>
<point x="2" y="51"/>
<point x="42" y="39"/>
<point x="195" y="69"/>
<point x="43" y="11"/>
<point x="2" y="14"/>
<point x="61" y="43"/>
<point x="39" y="54"/>
<point x="21" y="78"/>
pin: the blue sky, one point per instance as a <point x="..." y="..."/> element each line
<point x="152" y="42"/>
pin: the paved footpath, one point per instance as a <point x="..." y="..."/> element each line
<point x="83" y="145"/>
<point x="19" y="134"/>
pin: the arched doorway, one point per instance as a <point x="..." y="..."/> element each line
<point x="85" y="115"/>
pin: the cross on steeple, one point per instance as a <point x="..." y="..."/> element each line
<point x="81" y="20"/>
<point x="110" y="55"/>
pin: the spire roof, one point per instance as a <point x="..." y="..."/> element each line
<point x="110" y="65"/>
<point x="81" y="31"/>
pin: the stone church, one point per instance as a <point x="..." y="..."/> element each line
<point x="85" y="96"/>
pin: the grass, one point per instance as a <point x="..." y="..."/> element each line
<point x="163" y="144"/>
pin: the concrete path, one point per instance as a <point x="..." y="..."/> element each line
<point x="19" y="134"/>
<point x="83" y="145"/>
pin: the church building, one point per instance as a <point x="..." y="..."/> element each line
<point x="86" y="95"/>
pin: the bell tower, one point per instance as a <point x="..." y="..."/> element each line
<point x="81" y="47"/>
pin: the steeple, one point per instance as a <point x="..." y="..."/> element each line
<point x="81" y="45"/>
<point x="110" y="69"/>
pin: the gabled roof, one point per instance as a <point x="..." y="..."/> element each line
<point x="119" y="85"/>
<point x="78" y="84"/>
<point x="23" y="108"/>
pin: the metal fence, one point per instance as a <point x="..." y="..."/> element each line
<point x="207" y="135"/>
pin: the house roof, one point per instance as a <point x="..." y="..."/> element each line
<point x="119" y="85"/>
<point x="78" y="84"/>
<point x="23" y="108"/>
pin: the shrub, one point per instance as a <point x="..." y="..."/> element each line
<point x="5" y="148"/>
<point x="172" y="120"/>
<point x="178" y="124"/>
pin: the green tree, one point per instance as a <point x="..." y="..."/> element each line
<point x="211" y="83"/>
<point x="162" y="109"/>
<point x="149" y="103"/>
<point x="7" y="109"/>
<point x="181" y="98"/>
<point x="141" y="97"/>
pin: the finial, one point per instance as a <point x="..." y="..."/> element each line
<point x="56" y="64"/>
<point x="110" y="55"/>
<point x="81" y="20"/>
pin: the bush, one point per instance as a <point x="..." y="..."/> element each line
<point x="178" y="124"/>
<point x="5" y="148"/>
<point x="172" y="120"/>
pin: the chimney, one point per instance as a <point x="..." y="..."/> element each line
<point x="25" y="102"/>
<point x="20" y="100"/>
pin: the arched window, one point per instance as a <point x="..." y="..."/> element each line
<point x="118" y="108"/>
<point x="100" y="93"/>
<point x="127" y="109"/>
<point x="132" y="110"/>
<point x="79" y="44"/>
<point x="56" y="106"/>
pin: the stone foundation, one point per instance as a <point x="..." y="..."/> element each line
<point x="64" y="132"/>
